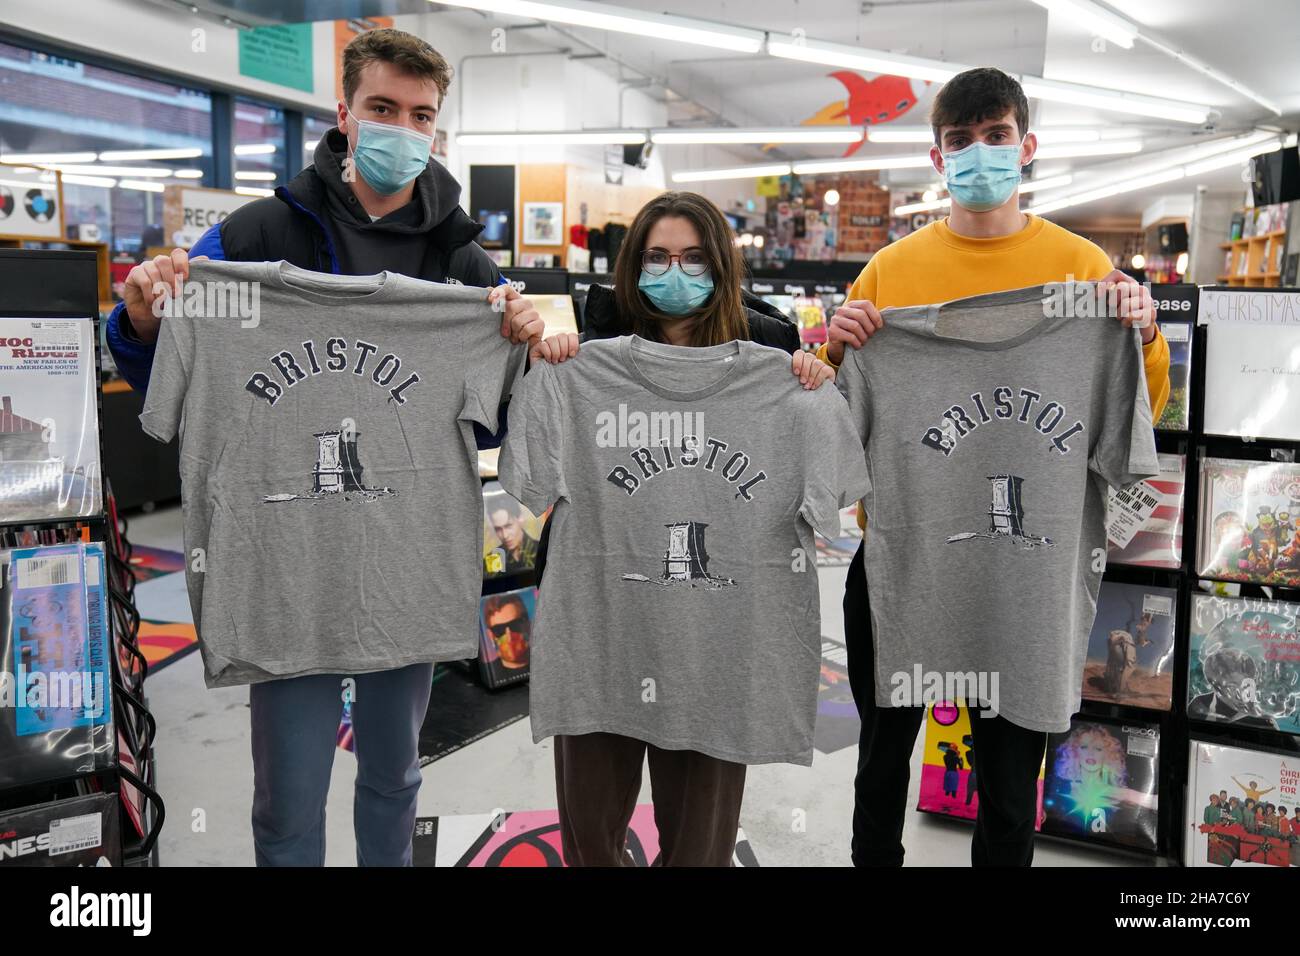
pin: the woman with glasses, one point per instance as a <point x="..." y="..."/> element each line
<point x="676" y="281"/>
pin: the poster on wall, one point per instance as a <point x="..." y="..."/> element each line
<point x="543" y="224"/>
<point x="279" y="54"/>
<point x="30" y="202"/>
<point x="1252" y="363"/>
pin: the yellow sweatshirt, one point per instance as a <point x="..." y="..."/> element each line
<point x="934" y="264"/>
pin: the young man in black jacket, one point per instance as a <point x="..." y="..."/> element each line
<point x="371" y="201"/>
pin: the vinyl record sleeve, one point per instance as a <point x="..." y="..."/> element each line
<point x="1144" y="522"/>
<point x="54" y="666"/>
<point x="1131" y="647"/>
<point x="80" y="831"/>
<point x="1244" y="663"/>
<point x="49" y="424"/>
<point x="505" y="636"/>
<point x="1241" y="835"/>
<point x="1249" y="528"/>
<point x="1102" y="783"/>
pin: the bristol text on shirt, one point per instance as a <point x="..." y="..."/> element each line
<point x="650" y="464"/>
<point x="959" y="422"/>
<point x="336" y="357"/>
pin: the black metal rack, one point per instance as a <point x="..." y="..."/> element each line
<point x="64" y="284"/>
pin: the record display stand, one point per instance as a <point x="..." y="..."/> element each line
<point x="67" y="559"/>
<point x="1251" y="734"/>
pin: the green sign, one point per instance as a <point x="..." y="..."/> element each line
<point x="280" y="55"/>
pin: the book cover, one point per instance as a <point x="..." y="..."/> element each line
<point x="1175" y="416"/>
<point x="79" y="831"/>
<point x="1131" y="647"/>
<point x="49" y="427"/>
<point x="1249" y="528"/>
<point x="949" y="766"/>
<point x="1244" y="663"/>
<point x="1144" y="522"/>
<point x="1242" y="807"/>
<point x="505" y="642"/>
<point x="1102" y="783"/>
<point x="510" y="533"/>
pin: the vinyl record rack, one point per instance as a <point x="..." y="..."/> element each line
<point x="62" y="284"/>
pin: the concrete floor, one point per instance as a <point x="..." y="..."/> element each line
<point x="793" y="816"/>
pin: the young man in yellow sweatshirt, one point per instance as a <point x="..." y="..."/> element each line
<point x="980" y="120"/>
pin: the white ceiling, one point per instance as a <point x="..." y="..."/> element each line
<point x="1257" y="42"/>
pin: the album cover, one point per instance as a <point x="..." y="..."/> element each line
<point x="1250" y="521"/>
<point x="1244" y="663"/>
<point x="949" y="766"/>
<point x="1131" y="647"/>
<point x="1102" y="783"/>
<point x="55" y="679"/>
<point x="1242" y="807"/>
<point x="49" y="426"/>
<point x="1175" y="416"/>
<point x="80" y="831"/>
<point x="510" y="533"/>
<point x="1144" y="522"/>
<point x="505" y="639"/>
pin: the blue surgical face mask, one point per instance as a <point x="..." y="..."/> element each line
<point x="674" y="292"/>
<point x="981" y="177"/>
<point x="389" y="157"/>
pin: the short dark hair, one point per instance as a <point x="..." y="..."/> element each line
<point x="976" y="96"/>
<point x="404" y="50"/>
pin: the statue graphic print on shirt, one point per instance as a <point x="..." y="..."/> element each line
<point x="1006" y="516"/>
<point x="686" y="561"/>
<point x="337" y="472"/>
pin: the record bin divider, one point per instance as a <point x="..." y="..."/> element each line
<point x="75" y="295"/>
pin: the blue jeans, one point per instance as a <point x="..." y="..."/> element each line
<point x="295" y="731"/>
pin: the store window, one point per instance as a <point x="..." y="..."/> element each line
<point x="260" y="160"/>
<point x="313" y="128"/>
<point x="118" y="139"/>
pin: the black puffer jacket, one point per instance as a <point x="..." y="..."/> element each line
<point x="767" y="325"/>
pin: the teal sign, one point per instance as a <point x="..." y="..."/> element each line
<point x="280" y="55"/>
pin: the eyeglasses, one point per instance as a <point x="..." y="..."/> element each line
<point x="693" y="262"/>
<point x="520" y="625"/>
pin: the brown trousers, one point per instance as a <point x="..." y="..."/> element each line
<point x="696" y="801"/>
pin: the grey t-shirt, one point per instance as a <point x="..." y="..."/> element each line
<point x="992" y="430"/>
<point x="680" y="604"/>
<point x="328" y="467"/>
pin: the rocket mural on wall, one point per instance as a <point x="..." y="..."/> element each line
<point x="869" y="102"/>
